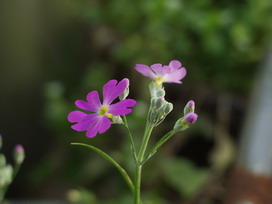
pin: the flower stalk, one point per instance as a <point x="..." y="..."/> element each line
<point x="132" y="145"/>
<point x="163" y="140"/>
<point x="101" y="115"/>
<point x="139" y="165"/>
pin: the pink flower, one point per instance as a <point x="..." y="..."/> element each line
<point x="173" y="73"/>
<point x="99" y="120"/>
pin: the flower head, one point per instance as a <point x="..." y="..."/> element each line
<point x="172" y="73"/>
<point x="99" y="120"/>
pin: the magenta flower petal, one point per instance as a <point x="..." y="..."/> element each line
<point x="101" y="125"/>
<point x="190" y="118"/>
<point x="175" y="64"/>
<point x="93" y="98"/>
<point x="108" y="87"/>
<point x="85" y="122"/>
<point x="76" y="116"/>
<point x="111" y="91"/>
<point x="105" y="124"/>
<point x="173" y="73"/>
<point x="122" y="107"/>
<point x="145" y="70"/>
<point x="158" y="69"/>
<point x="83" y="125"/>
<point x="93" y="130"/>
<point x="166" y="70"/>
<point x="176" y="76"/>
<point x="99" y="122"/>
<point x="85" y="105"/>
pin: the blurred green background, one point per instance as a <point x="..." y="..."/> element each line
<point x="56" y="51"/>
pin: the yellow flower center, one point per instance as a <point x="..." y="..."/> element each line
<point x="158" y="80"/>
<point x="109" y="115"/>
<point x="103" y="111"/>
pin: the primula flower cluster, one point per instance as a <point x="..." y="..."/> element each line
<point x="172" y="73"/>
<point x="102" y="115"/>
<point x="99" y="120"/>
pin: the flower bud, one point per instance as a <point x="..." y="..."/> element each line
<point x="156" y="90"/>
<point x="152" y="89"/>
<point x="19" y="154"/>
<point x="179" y="123"/>
<point x="126" y="91"/>
<point x="153" y="102"/>
<point x="116" y="119"/>
<point x="160" y="93"/>
<point x="6" y="173"/>
<point x="189" y="108"/>
<point x="168" y="107"/>
<point x="190" y="118"/>
<point x="2" y="160"/>
<point x="159" y="110"/>
<point x="159" y="102"/>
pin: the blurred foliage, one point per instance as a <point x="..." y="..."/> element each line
<point x="81" y="196"/>
<point x="219" y="42"/>
<point x="184" y="176"/>
<point x="88" y="42"/>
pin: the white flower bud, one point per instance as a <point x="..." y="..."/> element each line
<point x="2" y="160"/>
<point x="117" y="120"/>
<point x="5" y="175"/>
<point x="19" y="154"/>
<point x="168" y="107"/>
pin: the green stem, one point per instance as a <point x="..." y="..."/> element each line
<point x="138" y="168"/>
<point x="133" y="149"/>
<point x="16" y="170"/>
<point x="164" y="139"/>
<point x="137" y="192"/>
<point x="112" y="161"/>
